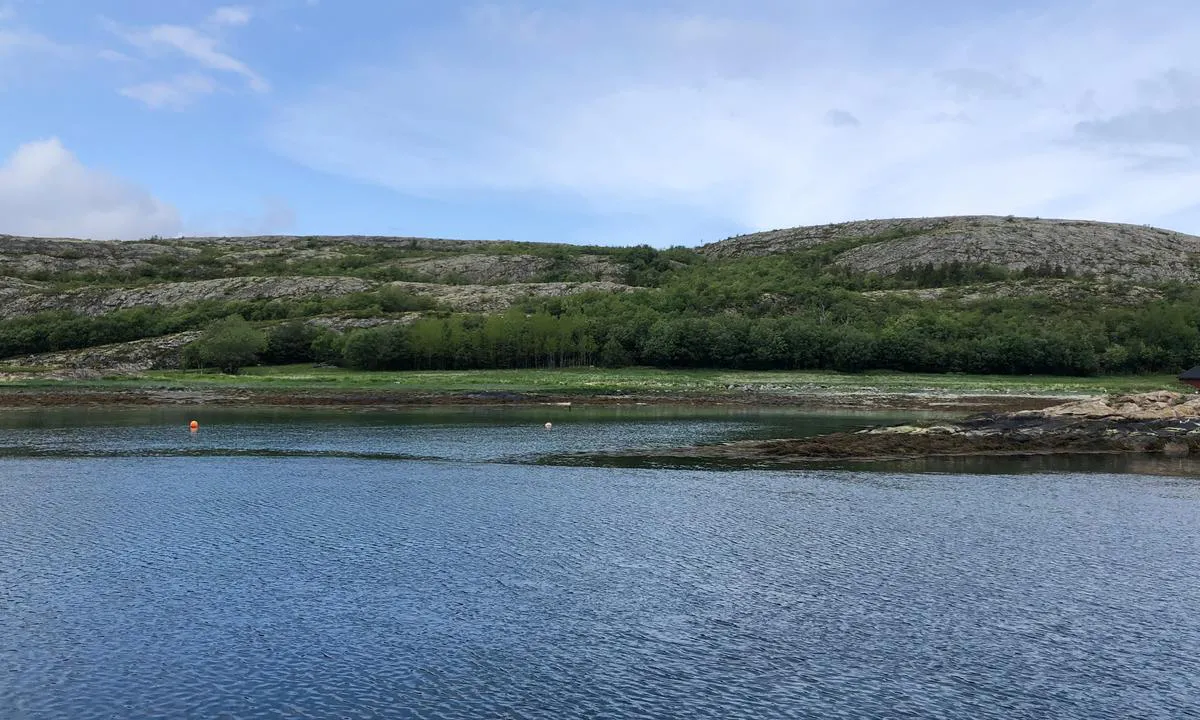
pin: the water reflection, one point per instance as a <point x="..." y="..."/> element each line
<point x="584" y="436"/>
<point x="1141" y="464"/>
<point x="476" y="434"/>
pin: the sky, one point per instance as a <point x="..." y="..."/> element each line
<point x="662" y="122"/>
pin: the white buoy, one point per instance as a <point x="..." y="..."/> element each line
<point x="549" y="425"/>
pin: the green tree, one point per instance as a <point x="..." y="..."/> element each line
<point x="290" y="342"/>
<point x="230" y="344"/>
<point x="327" y="347"/>
<point x="614" y="354"/>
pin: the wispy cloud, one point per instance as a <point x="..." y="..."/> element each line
<point x="233" y="15"/>
<point x="202" y="55"/>
<point x="197" y="46"/>
<point x="45" y="190"/>
<point x="1035" y="113"/>
<point x="174" y="94"/>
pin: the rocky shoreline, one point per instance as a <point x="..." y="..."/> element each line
<point x="71" y="389"/>
<point x="1165" y="423"/>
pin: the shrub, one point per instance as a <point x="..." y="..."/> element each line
<point x="229" y="345"/>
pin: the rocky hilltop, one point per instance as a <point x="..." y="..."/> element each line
<point x="1113" y="251"/>
<point x="419" y="259"/>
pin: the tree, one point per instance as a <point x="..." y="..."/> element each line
<point x="377" y="348"/>
<point x="290" y="342"/>
<point x="614" y="354"/>
<point x="229" y="344"/>
<point x="327" y="347"/>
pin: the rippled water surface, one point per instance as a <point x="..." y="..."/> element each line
<point x="404" y="565"/>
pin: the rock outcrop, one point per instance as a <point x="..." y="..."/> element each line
<point x="1131" y="253"/>
<point x="490" y="298"/>
<point x="474" y="261"/>
<point x="25" y="256"/>
<point x="485" y="269"/>
<point x="1161" y="405"/>
<point x="1160" y="422"/>
<point x="1058" y="290"/>
<point x="159" y="353"/>
<point x="27" y="299"/>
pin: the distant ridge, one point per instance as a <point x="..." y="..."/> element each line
<point x="1113" y="251"/>
<point x="1108" y="251"/>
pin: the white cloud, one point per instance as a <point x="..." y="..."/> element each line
<point x="235" y="15"/>
<point x="46" y="191"/>
<point x="732" y="116"/>
<point x="196" y="46"/>
<point x="174" y="94"/>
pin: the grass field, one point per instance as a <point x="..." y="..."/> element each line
<point x="648" y="381"/>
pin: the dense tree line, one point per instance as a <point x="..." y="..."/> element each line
<point x="999" y="338"/>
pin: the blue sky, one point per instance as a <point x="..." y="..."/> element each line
<point x="620" y="122"/>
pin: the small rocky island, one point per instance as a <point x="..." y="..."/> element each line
<point x="1161" y="422"/>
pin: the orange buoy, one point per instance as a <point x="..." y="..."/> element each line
<point x="194" y="426"/>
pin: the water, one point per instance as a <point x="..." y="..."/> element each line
<point x="145" y="572"/>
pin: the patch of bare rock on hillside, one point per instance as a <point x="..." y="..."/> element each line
<point x="333" y="241"/>
<point x="490" y="298"/>
<point x="1131" y="253"/>
<point x="159" y="353"/>
<point x="1058" y="290"/>
<point x="24" y="255"/>
<point x="98" y="301"/>
<point x="11" y="288"/>
<point x="341" y="323"/>
<point x="484" y="269"/>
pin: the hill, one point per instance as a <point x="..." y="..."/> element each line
<point x="1108" y="251"/>
<point x="960" y="294"/>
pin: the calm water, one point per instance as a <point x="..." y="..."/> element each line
<point x="414" y="565"/>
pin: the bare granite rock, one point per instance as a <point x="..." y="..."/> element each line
<point x="490" y="298"/>
<point x="23" y="255"/>
<point x="480" y="269"/>
<point x="1131" y="253"/>
<point x="485" y="269"/>
<point x="1059" y="290"/>
<point x="136" y="356"/>
<point x="1160" y="405"/>
<point x="340" y="323"/>
<point x="98" y="301"/>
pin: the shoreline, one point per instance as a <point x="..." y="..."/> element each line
<point x="951" y="402"/>
<point x="1161" y="423"/>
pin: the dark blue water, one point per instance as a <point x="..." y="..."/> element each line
<point x="212" y="585"/>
